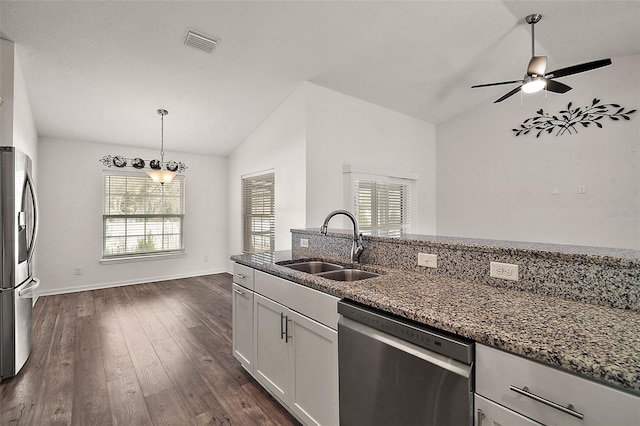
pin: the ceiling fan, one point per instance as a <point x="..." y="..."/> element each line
<point x="536" y="79"/>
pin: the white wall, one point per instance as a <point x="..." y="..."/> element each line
<point x="343" y="130"/>
<point x="71" y="185"/>
<point x="277" y="144"/>
<point x="492" y="184"/>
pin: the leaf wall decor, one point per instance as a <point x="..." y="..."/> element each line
<point x="570" y="119"/>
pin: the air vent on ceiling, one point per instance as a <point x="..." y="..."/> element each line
<point x="200" y="41"/>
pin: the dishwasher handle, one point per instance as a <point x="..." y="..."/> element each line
<point x="437" y="359"/>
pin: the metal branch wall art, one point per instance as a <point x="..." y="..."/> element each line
<point x="569" y="120"/>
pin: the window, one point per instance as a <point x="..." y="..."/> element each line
<point x="142" y="217"/>
<point x="381" y="202"/>
<point x="258" y="213"/>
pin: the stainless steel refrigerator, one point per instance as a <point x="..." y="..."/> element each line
<point x="18" y="230"/>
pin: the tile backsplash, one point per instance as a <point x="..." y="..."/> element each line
<point x="603" y="276"/>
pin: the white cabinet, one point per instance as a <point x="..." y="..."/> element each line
<point x="548" y="395"/>
<point x="242" y="316"/>
<point x="296" y="358"/>
<point x="294" y="344"/>
<point x="314" y="366"/>
<point x="272" y="352"/>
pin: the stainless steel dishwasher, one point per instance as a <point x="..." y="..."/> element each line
<point x="396" y="372"/>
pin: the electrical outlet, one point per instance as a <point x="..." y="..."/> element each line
<point x="428" y="260"/>
<point x="505" y="271"/>
<point x="304" y="242"/>
<point x="78" y="270"/>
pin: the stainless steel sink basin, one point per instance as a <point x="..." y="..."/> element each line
<point x="313" y="267"/>
<point x="348" y="275"/>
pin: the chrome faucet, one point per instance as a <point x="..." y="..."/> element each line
<point x="356" y="248"/>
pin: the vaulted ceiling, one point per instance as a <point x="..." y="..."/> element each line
<point x="98" y="70"/>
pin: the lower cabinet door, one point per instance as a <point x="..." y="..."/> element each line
<point x="314" y="378"/>
<point x="488" y="413"/>
<point x="242" y="309"/>
<point x="271" y="357"/>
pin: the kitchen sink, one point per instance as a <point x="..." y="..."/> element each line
<point x="330" y="271"/>
<point x="348" y="275"/>
<point x="313" y="266"/>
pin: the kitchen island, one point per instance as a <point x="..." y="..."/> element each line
<point x="593" y="341"/>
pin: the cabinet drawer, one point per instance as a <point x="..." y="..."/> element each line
<point x="502" y="377"/>
<point x="243" y="275"/>
<point x="488" y="413"/>
<point x="314" y="304"/>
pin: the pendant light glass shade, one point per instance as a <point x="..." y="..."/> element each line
<point x="161" y="176"/>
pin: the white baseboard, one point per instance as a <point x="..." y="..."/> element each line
<point x="97" y="286"/>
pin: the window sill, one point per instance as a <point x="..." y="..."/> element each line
<point x="142" y="258"/>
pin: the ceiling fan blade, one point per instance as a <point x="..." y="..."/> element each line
<point x="537" y="65"/>
<point x="496" y="84"/>
<point x="511" y="93"/>
<point x="575" y="69"/>
<point x="557" y="87"/>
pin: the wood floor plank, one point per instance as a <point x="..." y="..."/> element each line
<point x="116" y="360"/>
<point x="87" y="337"/>
<point x="193" y="391"/>
<point x="55" y="408"/>
<point x="90" y="397"/>
<point x="86" y="304"/>
<point x="127" y="404"/>
<point x="166" y="409"/>
<point x="64" y="334"/>
<point x="149" y="369"/>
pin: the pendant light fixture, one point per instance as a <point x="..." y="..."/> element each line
<point x="161" y="174"/>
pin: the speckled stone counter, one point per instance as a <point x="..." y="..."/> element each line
<point x="604" y="276"/>
<point x="595" y="341"/>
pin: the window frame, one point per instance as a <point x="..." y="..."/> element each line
<point x="353" y="175"/>
<point x="247" y="233"/>
<point x="141" y="255"/>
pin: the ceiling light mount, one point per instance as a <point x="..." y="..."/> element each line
<point x="534" y="18"/>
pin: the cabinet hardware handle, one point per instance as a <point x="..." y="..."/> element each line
<point x="286" y="329"/>
<point x="241" y="293"/>
<point x="283" y="332"/>
<point x="479" y="417"/>
<point x="567" y="410"/>
<point x="242" y="277"/>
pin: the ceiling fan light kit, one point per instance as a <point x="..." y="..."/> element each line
<point x="536" y="78"/>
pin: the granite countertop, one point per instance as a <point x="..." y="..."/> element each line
<point x="598" y="342"/>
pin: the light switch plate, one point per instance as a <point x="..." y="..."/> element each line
<point x="505" y="271"/>
<point x="304" y="242"/>
<point x="428" y="260"/>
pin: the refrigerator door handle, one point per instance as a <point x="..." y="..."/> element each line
<point x="36" y="218"/>
<point x="27" y="291"/>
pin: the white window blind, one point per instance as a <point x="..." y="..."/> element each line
<point x="142" y="217"/>
<point x="258" y="213"/>
<point x="383" y="206"/>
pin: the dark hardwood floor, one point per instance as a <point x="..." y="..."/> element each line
<point x="156" y="353"/>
